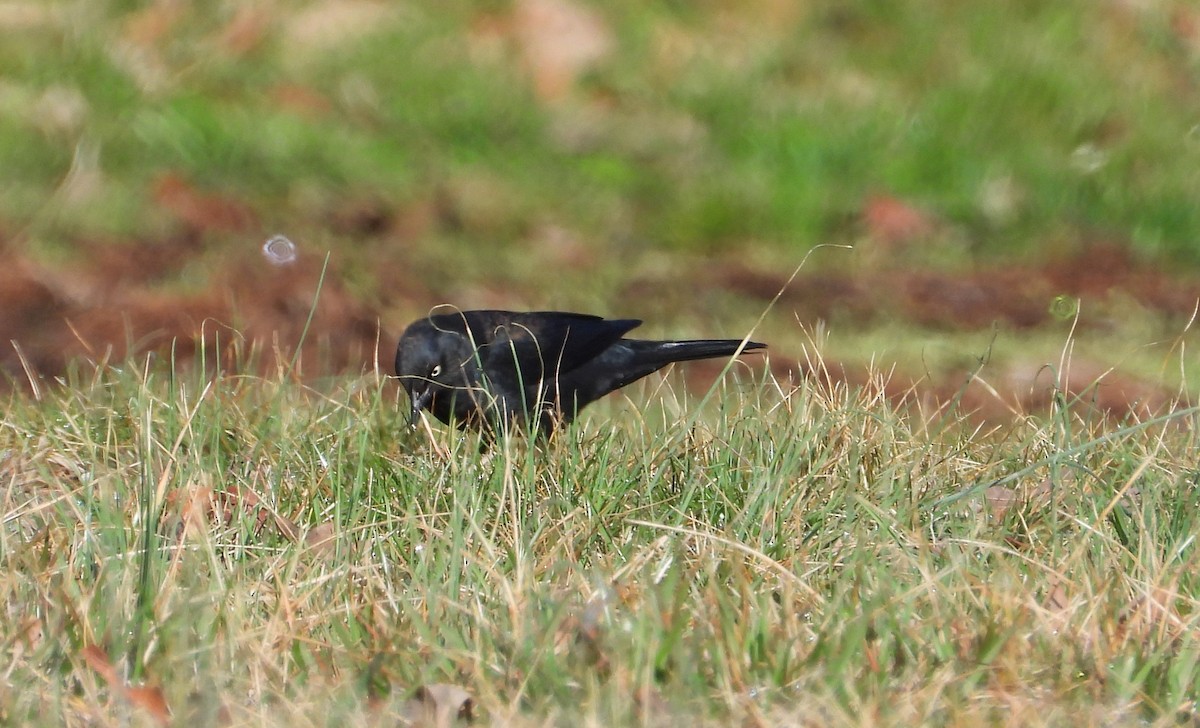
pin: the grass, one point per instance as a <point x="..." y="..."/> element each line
<point x="411" y="145"/>
<point x="233" y="549"/>
<point x="1029" y="357"/>
<point x="701" y="130"/>
<point x="253" y="551"/>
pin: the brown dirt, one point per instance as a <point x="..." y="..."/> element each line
<point x="120" y="300"/>
<point x="1017" y="296"/>
<point x="112" y="304"/>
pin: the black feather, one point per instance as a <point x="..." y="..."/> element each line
<point x="493" y="368"/>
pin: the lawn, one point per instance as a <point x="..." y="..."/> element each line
<point x="242" y="550"/>
<point x="962" y="489"/>
<point x="665" y="161"/>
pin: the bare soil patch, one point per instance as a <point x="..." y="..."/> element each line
<point x="122" y="300"/>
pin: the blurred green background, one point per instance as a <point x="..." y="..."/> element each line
<point x="994" y="169"/>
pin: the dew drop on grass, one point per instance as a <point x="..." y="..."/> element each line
<point x="278" y="250"/>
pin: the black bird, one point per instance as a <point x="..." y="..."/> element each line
<point x="490" y="369"/>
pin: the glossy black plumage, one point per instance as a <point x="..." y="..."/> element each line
<point x="488" y="368"/>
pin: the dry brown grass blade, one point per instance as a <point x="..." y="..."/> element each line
<point x="149" y="699"/>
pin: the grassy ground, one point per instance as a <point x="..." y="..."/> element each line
<point x="249" y="550"/>
<point x="443" y="153"/>
<point x="258" y="550"/>
<point x="692" y="127"/>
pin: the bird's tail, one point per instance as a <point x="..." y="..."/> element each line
<point x="665" y="352"/>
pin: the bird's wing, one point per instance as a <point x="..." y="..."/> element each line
<point x="531" y="347"/>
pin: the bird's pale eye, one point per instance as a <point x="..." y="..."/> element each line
<point x="437" y="369"/>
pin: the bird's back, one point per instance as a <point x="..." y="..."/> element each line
<point x="544" y="366"/>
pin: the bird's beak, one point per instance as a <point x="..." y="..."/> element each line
<point x="420" y="400"/>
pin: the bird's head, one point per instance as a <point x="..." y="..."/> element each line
<point x="433" y="367"/>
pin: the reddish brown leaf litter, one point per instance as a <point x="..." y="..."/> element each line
<point x="321" y="539"/>
<point x="197" y="507"/>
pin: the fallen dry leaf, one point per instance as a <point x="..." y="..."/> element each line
<point x="149" y="699"/>
<point x="1057" y="599"/>
<point x="999" y="500"/>
<point x="247" y="499"/>
<point x="1056" y="610"/>
<point x="197" y="510"/>
<point x="97" y="659"/>
<point x="202" y="505"/>
<point x="1153" y="613"/>
<point x="321" y="539"/>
